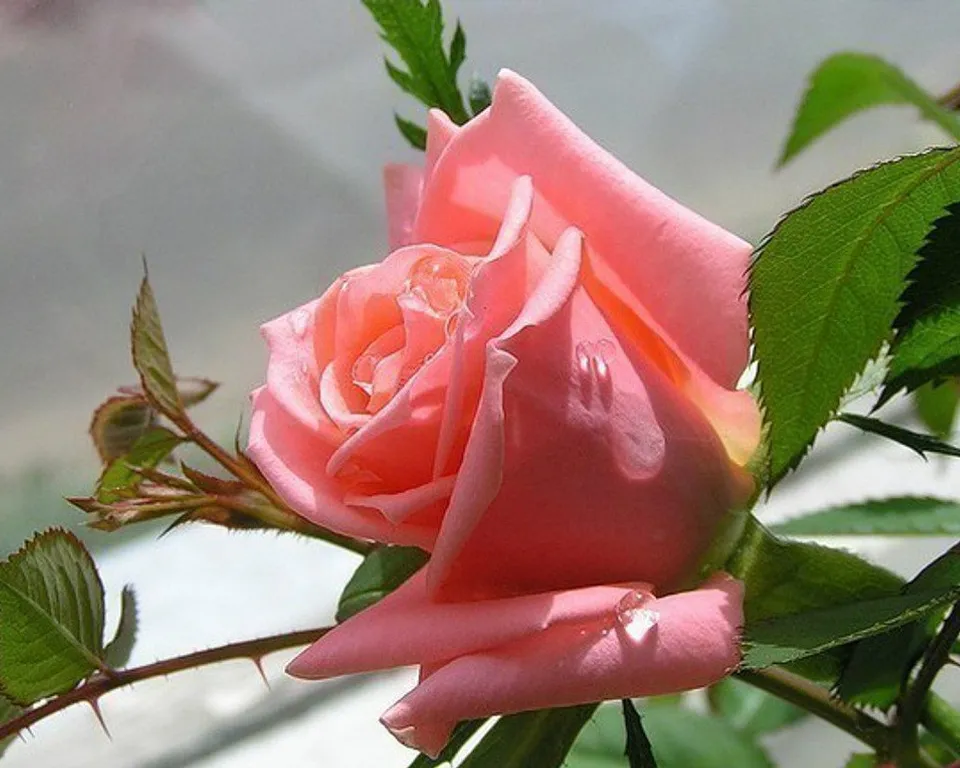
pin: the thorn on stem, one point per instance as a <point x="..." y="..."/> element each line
<point x="258" y="663"/>
<point x="95" y="706"/>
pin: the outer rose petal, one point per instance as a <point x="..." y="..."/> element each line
<point x="694" y="643"/>
<point x="687" y="272"/>
<point x="583" y="452"/>
<point x="402" y="185"/>
<point x="407" y="627"/>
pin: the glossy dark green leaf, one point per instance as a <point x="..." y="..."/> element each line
<point x="540" y="739"/>
<point x="848" y="83"/>
<point x="751" y="710"/>
<point x="680" y="738"/>
<point x="381" y="572"/>
<point x="825" y="287"/>
<point x="878" y="665"/>
<point x="797" y="636"/>
<point x="118" y="650"/>
<point x="51" y="617"/>
<point x="150" y="356"/>
<point x="785" y="577"/>
<point x="900" y="516"/>
<point x="916" y="441"/>
<point x="927" y="345"/>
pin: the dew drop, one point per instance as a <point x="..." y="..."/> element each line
<point x="606" y="350"/>
<point x="584" y="356"/>
<point x="634" y="615"/>
<point x="299" y="322"/>
<point x="441" y="280"/>
<point x="601" y="368"/>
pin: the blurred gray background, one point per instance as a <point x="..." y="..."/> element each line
<point x="238" y="145"/>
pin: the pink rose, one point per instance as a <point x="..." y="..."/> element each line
<point x="537" y="385"/>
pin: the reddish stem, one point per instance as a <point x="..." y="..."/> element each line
<point x="101" y="683"/>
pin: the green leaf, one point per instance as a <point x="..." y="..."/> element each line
<point x="825" y="288"/>
<point x="927" y="347"/>
<point x="936" y="405"/>
<point x="414" y="29"/>
<point x="458" y="50"/>
<point x="118" y="650"/>
<point x="150" y="356"/>
<point x="879" y="665"/>
<point x="117" y="423"/>
<point x="120" y="480"/>
<point x="899" y="516"/>
<point x="861" y="760"/>
<point x="751" y="710"/>
<point x="916" y="441"/>
<point x="639" y="751"/>
<point x="540" y="739"/>
<point x="480" y="95"/>
<point x="800" y="635"/>
<point x="847" y="83"/>
<point x="680" y="738"/>
<point x="788" y="577"/>
<point x="415" y="135"/>
<point x="51" y="617"/>
<point x="461" y="735"/>
<point x="934" y="283"/>
<point x="381" y="572"/>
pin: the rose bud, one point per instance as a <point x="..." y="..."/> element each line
<point x="538" y="386"/>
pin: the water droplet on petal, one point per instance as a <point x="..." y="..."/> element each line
<point x="601" y="368"/>
<point x="299" y="322"/>
<point x="584" y="355"/>
<point x="441" y="280"/>
<point x="606" y="350"/>
<point x="635" y="616"/>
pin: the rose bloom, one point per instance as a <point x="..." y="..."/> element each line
<point x="538" y="386"/>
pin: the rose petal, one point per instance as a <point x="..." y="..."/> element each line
<point x="478" y="481"/>
<point x="402" y="185"/>
<point x="300" y="343"/>
<point x="688" y="272"/>
<point x="692" y="642"/>
<point x="397" y="507"/>
<point x="292" y="459"/>
<point x="587" y="454"/>
<point x="408" y="627"/>
<point x="441" y="130"/>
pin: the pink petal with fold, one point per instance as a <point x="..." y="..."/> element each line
<point x="671" y="644"/>
<point x="481" y="472"/>
<point x="292" y="459"/>
<point x="688" y="272"/>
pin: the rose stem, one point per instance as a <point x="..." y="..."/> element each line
<point x="99" y="684"/>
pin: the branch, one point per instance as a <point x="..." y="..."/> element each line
<point x="99" y="684"/>
<point x="818" y="701"/>
<point x="910" y="709"/>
